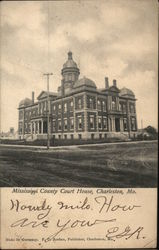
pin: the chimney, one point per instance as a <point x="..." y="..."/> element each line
<point x="114" y="82"/>
<point x="106" y="83"/>
<point x="33" y="97"/>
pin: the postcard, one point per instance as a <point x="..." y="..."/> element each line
<point x="78" y="127"/>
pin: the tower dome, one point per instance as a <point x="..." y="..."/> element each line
<point x="85" y="82"/>
<point x="25" y="102"/>
<point x="70" y="63"/>
<point x="127" y="92"/>
<point x="70" y="71"/>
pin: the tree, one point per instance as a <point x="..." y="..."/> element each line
<point x="151" y="130"/>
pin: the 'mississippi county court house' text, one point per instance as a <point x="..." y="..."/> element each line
<point x="79" y="110"/>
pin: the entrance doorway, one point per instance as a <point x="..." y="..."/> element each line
<point x="117" y="124"/>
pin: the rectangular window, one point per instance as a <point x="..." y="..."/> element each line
<point x="100" y="136"/>
<point x="71" y="104"/>
<point x="59" y="125"/>
<point x="71" y="123"/>
<point x="54" y="126"/>
<point x="65" y="107"/>
<point x="133" y="124"/>
<point x="113" y="103"/>
<point x="132" y="108"/>
<point x="79" y="136"/>
<point x="59" y="107"/>
<point x="65" y="124"/>
<point x="125" y="124"/>
<point x="91" y="121"/>
<point x="92" y="136"/>
<point x="104" y="106"/>
<point x="65" y="136"/>
<point x="71" y="136"/>
<point x="105" y="122"/>
<point x="90" y="103"/>
<point x="79" y="122"/>
<point x="59" y="136"/>
<point x="99" y="106"/>
<point x="99" y="122"/>
<point x="54" y="107"/>
<point x="79" y="103"/>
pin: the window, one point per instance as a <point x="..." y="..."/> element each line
<point x="125" y="124"/>
<point x="92" y="136"/>
<point x="105" y="122"/>
<point x="100" y="136"/>
<point x="79" y="136"/>
<point x="71" y="123"/>
<point x="71" y="104"/>
<point x="65" y="136"/>
<point x="59" y="125"/>
<point x="132" y="108"/>
<point x="59" y="136"/>
<point x="133" y="124"/>
<point x="99" y="106"/>
<point x="71" y="136"/>
<point x="104" y="105"/>
<point x="99" y="122"/>
<point x="59" y="107"/>
<point x="113" y="102"/>
<point x="79" y="122"/>
<point x="91" y="121"/>
<point x="105" y="136"/>
<point x="54" y="125"/>
<point x="91" y="103"/>
<point x="79" y="103"/>
<point x="44" y="105"/>
<point x="65" y="124"/>
<point x="65" y="107"/>
<point x="122" y="107"/>
<point x="54" y="107"/>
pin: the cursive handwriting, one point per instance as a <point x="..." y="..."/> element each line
<point x="83" y="205"/>
<point x="46" y="209"/>
<point x="108" y="205"/>
<point x="115" y="233"/>
<point x="25" y="222"/>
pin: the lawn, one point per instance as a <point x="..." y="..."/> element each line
<point x="105" y="165"/>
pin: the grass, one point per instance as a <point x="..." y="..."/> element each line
<point x="111" y="165"/>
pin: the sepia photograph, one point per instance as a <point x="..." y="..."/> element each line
<point x="78" y="124"/>
<point x="79" y="93"/>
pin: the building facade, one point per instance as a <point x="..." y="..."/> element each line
<point x="79" y="110"/>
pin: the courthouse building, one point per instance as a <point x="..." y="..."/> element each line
<point x="79" y="110"/>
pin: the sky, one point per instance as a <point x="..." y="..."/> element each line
<point x="113" y="38"/>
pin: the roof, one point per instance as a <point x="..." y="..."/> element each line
<point x="44" y="94"/>
<point x="126" y="92"/>
<point x="86" y="82"/>
<point x="25" y="102"/>
<point x="70" y="63"/>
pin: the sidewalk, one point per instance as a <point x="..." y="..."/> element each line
<point x="73" y="146"/>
